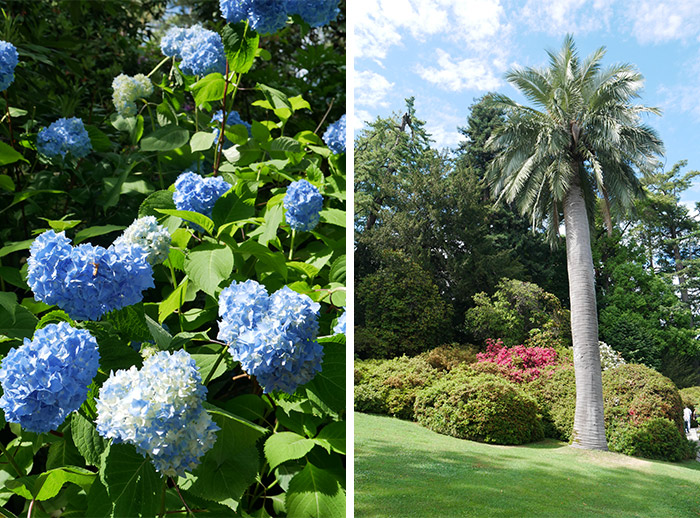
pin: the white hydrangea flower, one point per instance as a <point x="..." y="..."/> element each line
<point x="149" y="235"/>
<point x="127" y="90"/>
<point x="159" y="410"/>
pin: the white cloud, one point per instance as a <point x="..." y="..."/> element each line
<point x="684" y="97"/>
<point x="441" y="121"/>
<point x="558" y="17"/>
<point x="657" y="21"/>
<point x="371" y="89"/>
<point x="359" y="120"/>
<point x="456" y="76"/>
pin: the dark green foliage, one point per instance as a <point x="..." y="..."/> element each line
<point x="634" y="395"/>
<point x="515" y="311"/>
<point x="390" y="386"/>
<point x="555" y="392"/>
<point x="656" y="438"/>
<point x="690" y="397"/>
<point x="447" y="357"/>
<point x="483" y="408"/>
<point x="397" y="294"/>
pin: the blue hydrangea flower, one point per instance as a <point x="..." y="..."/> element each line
<point x="273" y="338"/>
<point x="201" y="50"/>
<point x="340" y="324"/>
<point x="314" y="12"/>
<point x="198" y="194"/>
<point x="232" y="119"/>
<point x="86" y="281"/>
<point x="264" y="16"/>
<point x="153" y="238"/>
<point x="47" y="378"/>
<point x="129" y="89"/>
<point x="159" y="410"/>
<point x="334" y="137"/>
<point x="303" y="203"/>
<point x="8" y="61"/>
<point x="62" y="137"/>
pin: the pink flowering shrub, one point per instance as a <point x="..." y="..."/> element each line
<point x="518" y="363"/>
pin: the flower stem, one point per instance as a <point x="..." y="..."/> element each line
<point x="291" y="246"/>
<point x="10" y="458"/>
<point x="165" y="60"/>
<point x="216" y="365"/>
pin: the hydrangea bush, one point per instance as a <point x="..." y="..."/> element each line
<point x="162" y="217"/>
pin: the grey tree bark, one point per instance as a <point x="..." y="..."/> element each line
<point x="589" y="422"/>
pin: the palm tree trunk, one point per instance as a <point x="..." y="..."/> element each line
<point x="589" y="423"/>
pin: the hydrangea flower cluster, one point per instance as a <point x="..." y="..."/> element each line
<point x="303" y="203"/>
<point x="232" y="119"/>
<point x="8" y="61"/>
<point x="314" y="12"/>
<point x="198" y="194"/>
<point x="264" y="16"/>
<point x="334" y="137"/>
<point x="609" y="357"/>
<point x="153" y="238"/>
<point x="339" y="328"/>
<point x="47" y="378"/>
<point x="518" y="363"/>
<point x="159" y="410"/>
<point x="64" y="136"/>
<point x="273" y="337"/>
<point x="201" y="50"/>
<point x="86" y="281"/>
<point x="127" y="90"/>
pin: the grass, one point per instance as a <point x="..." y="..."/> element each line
<point x="403" y="470"/>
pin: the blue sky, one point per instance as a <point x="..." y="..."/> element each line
<point x="446" y="53"/>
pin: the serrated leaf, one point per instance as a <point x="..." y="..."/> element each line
<point x="53" y="317"/>
<point x="285" y="446"/>
<point x="235" y="205"/>
<point x="208" y="264"/>
<point x="15" y="247"/>
<point x="17" y="323"/>
<point x="328" y="386"/>
<point x="231" y="466"/>
<point x="338" y="269"/>
<point x="193" y="217"/>
<point x="205" y="363"/>
<point x="334" y="217"/>
<point x="209" y="88"/>
<point x="47" y="485"/>
<point x="86" y="439"/>
<point x="334" y="435"/>
<point x="240" y="46"/>
<point x="174" y="301"/>
<point x="166" y="138"/>
<point x="315" y="493"/>
<point x="130" y="322"/>
<point x="99" y="139"/>
<point x="160" y="336"/>
<point x="274" y="260"/>
<point x="157" y="200"/>
<point x="273" y="219"/>
<point x="309" y="270"/>
<point x="287" y="144"/>
<point x="131" y="481"/>
<point x="8" y="155"/>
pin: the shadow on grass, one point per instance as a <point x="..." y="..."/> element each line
<point x="401" y="479"/>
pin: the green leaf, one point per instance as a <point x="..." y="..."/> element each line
<point x="47" y="485"/>
<point x="86" y="439"/>
<point x="306" y="269"/>
<point x="17" y="322"/>
<point x="160" y="336"/>
<point x="157" y="200"/>
<point x="315" y="493"/>
<point x="299" y="103"/>
<point x="334" y="217"/>
<point x="59" y="225"/>
<point x="15" y="247"/>
<point x="63" y="452"/>
<point x="275" y="98"/>
<point x="209" y="88"/>
<point x="260" y="132"/>
<point x="333" y="434"/>
<point x="8" y="155"/>
<point x="201" y="141"/>
<point x="232" y="465"/>
<point x="240" y="46"/>
<point x="131" y="481"/>
<point x="285" y="446"/>
<point x="174" y="301"/>
<point x="55" y="316"/>
<point x="208" y="264"/>
<point x="100" y="141"/>
<point x="274" y="260"/>
<point x="6" y="183"/>
<point x="205" y="363"/>
<point x="235" y="205"/>
<point x="166" y="138"/>
<point x="328" y="386"/>
<point x="273" y="219"/>
<point x="130" y="322"/>
<point x="101" y="230"/>
<point x="338" y="269"/>
<point x="193" y="217"/>
<point x="285" y="144"/>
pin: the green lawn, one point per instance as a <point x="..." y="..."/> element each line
<point x="403" y="470"/>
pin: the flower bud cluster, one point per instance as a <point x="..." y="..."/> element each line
<point x="153" y="238"/>
<point x="129" y="89"/>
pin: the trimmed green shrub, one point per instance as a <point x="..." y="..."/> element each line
<point x="555" y="393"/>
<point x="483" y="407"/>
<point x="390" y="386"/>
<point x="634" y="395"/>
<point x="656" y="438"/>
<point x="690" y="397"/>
<point x="447" y="357"/>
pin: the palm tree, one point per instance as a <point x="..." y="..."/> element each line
<point x="583" y="140"/>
